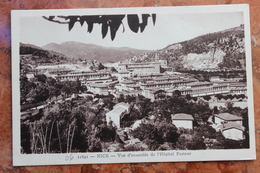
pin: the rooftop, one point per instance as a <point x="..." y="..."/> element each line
<point x="228" y="117"/>
<point x="200" y="83"/>
<point x="182" y="116"/>
<point x="122" y="104"/>
<point x="116" y="111"/>
<point x="231" y="125"/>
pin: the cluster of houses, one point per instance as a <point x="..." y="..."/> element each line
<point x="230" y="125"/>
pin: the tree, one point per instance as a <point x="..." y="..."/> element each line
<point x="156" y="134"/>
<point x="39" y="94"/>
<point x="113" y="70"/>
<point x="100" y="66"/>
<point x="203" y="110"/>
<point x="242" y="96"/>
<point x="106" y="133"/>
<point x="51" y="81"/>
<point x="108" y="103"/>
<point x="177" y="93"/>
<point x="230" y="96"/>
<point x="229" y="105"/>
<point x="188" y="97"/>
<point x="219" y="96"/>
<point x="129" y="99"/>
<point x="94" y="144"/>
<point x="121" y="98"/>
<point x="25" y="87"/>
<point x="67" y="90"/>
<point x="41" y="78"/>
<point x="195" y="98"/>
<point x="145" y="106"/>
<point x="207" y="97"/>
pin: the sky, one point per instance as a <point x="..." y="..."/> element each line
<point x="168" y="29"/>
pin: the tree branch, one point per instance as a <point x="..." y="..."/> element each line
<point x="50" y="18"/>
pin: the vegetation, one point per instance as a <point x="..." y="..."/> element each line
<point x="41" y="88"/>
<point x="156" y="134"/>
<point x="36" y="55"/>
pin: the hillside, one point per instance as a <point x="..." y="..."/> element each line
<point x="33" y="54"/>
<point x="85" y="51"/>
<point x="224" y="50"/>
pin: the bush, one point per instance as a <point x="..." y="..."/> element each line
<point x="156" y="134"/>
<point x="94" y="144"/>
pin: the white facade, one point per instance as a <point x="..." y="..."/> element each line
<point x="187" y="124"/>
<point x="233" y="133"/>
<point x="114" y="117"/>
<point x="182" y="120"/>
<point x="115" y="114"/>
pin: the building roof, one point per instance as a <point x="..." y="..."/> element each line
<point x="122" y="104"/>
<point x="133" y="86"/>
<point x="231" y="125"/>
<point x="200" y="83"/>
<point x="228" y="117"/>
<point x="124" y="72"/>
<point x="155" y="91"/>
<point x="182" y="116"/>
<point x="99" y="85"/>
<point x="128" y="82"/>
<point x="238" y="85"/>
<point x="116" y="111"/>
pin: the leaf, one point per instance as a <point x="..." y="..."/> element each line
<point x="51" y="17"/>
<point x="83" y="19"/>
<point x="104" y="21"/>
<point x="115" y="22"/>
<point x="91" y="20"/>
<point x="104" y="30"/>
<point x="133" y="22"/>
<point x="144" y="23"/>
<point x="73" y="20"/>
<point x="154" y="18"/>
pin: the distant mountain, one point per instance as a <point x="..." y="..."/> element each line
<point x="35" y="54"/>
<point x="224" y="50"/>
<point x="29" y="49"/>
<point x="85" y="51"/>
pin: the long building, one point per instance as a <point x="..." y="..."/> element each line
<point x="140" y="68"/>
<point x="86" y="76"/>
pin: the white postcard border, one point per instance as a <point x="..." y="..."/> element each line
<point x="124" y="157"/>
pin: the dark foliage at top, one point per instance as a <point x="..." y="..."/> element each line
<point x="108" y="22"/>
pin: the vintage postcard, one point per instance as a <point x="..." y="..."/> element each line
<point x="126" y="85"/>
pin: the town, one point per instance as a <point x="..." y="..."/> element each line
<point x="131" y="106"/>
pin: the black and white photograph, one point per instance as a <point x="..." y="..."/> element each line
<point x="117" y="85"/>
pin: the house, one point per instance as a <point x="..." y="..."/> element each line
<point x="230" y="125"/>
<point x="116" y="113"/>
<point x="218" y="119"/>
<point x="182" y="120"/>
<point x="232" y="130"/>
